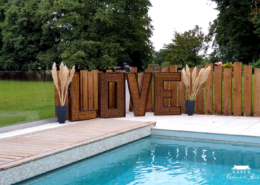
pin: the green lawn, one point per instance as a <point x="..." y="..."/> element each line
<point x="25" y="101"/>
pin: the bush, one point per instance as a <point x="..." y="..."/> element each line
<point x="165" y="64"/>
<point x="256" y="65"/>
<point x="228" y="65"/>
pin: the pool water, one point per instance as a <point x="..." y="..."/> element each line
<point x="156" y="160"/>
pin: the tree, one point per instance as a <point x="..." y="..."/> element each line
<point x="159" y="57"/>
<point x="234" y="31"/>
<point x="98" y="34"/>
<point x="186" y="47"/>
<point x="22" y="36"/>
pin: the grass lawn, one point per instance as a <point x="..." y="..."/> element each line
<point x="25" y="101"/>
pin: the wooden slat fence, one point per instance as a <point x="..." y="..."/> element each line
<point x="215" y="98"/>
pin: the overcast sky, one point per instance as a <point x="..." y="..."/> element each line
<point x="179" y="15"/>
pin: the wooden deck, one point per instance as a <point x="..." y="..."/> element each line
<point x="21" y="149"/>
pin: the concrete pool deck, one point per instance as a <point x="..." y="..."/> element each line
<point x="27" y="155"/>
<point x="209" y="127"/>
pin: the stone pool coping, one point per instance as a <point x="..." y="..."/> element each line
<point x="244" y="130"/>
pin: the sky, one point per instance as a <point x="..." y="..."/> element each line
<point x="180" y="15"/>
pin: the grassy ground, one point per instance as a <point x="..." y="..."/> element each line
<point x="23" y="101"/>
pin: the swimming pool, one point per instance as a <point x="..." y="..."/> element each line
<point x="157" y="160"/>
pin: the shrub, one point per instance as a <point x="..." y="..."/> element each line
<point x="256" y="65"/>
<point x="165" y="64"/>
<point x="228" y="65"/>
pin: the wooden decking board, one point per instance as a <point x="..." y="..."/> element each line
<point x="21" y="149"/>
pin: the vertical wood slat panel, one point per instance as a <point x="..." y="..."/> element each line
<point x="209" y="91"/>
<point x="181" y="95"/>
<point x="199" y="98"/>
<point x="173" y="87"/>
<point x="84" y="89"/>
<point x="117" y="71"/>
<point x="237" y="89"/>
<point x="218" y="90"/>
<point x="228" y="91"/>
<point x="68" y="102"/>
<point x="166" y="85"/>
<point x="132" y="70"/>
<point x="95" y="88"/>
<point x="247" y="90"/>
<point x="257" y="93"/>
<point x="140" y="81"/>
<point x="111" y="92"/>
<point x="90" y="91"/>
<point x="149" y="106"/>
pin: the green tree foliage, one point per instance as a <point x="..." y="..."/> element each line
<point x="22" y="37"/>
<point x="160" y="56"/>
<point x="98" y="34"/>
<point x="186" y="47"/>
<point x="234" y="32"/>
<point x="91" y="34"/>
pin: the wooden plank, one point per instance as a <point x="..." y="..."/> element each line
<point x="247" y="90"/>
<point x="199" y="98"/>
<point x="22" y="149"/>
<point x="132" y="70"/>
<point x="228" y="91"/>
<point x="111" y="93"/>
<point x="149" y="106"/>
<point x="118" y="71"/>
<point x="209" y="91"/>
<point x="140" y="81"/>
<point x="166" y="85"/>
<point x="181" y="95"/>
<point x="218" y="90"/>
<point x="95" y="84"/>
<point x="173" y="87"/>
<point x="257" y="93"/>
<point x="90" y="91"/>
<point x="237" y="106"/>
<point x="84" y="89"/>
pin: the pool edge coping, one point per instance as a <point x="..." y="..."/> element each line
<point x="75" y="145"/>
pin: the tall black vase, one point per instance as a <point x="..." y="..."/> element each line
<point x="190" y="104"/>
<point x="62" y="113"/>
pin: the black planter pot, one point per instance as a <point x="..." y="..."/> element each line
<point x="61" y="113"/>
<point x="190" y="104"/>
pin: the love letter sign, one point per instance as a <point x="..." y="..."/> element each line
<point x="139" y="99"/>
<point x="160" y="94"/>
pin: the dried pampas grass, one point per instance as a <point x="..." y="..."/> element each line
<point x="65" y="77"/>
<point x="197" y="80"/>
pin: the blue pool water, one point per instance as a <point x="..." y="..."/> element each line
<point x="156" y="160"/>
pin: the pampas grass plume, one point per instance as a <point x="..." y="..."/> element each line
<point x="65" y="77"/>
<point x="197" y="80"/>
